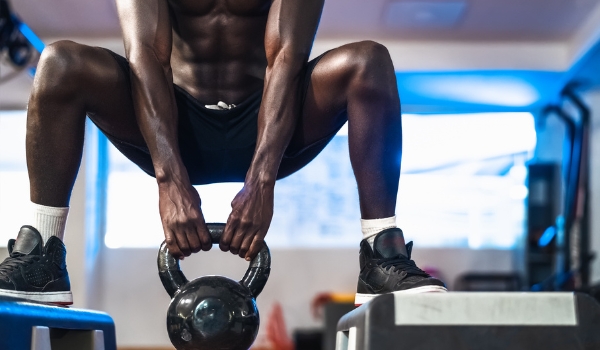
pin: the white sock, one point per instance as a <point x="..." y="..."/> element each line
<point x="370" y="228"/>
<point x="49" y="221"/>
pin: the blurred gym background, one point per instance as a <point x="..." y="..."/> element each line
<point x="501" y="151"/>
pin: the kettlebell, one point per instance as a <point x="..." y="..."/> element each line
<point x="213" y="312"/>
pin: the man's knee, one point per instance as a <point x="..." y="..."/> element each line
<point x="372" y="68"/>
<point x="368" y="55"/>
<point x="371" y="52"/>
<point x="62" y="65"/>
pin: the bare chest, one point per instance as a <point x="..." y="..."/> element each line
<point x="244" y="8"/>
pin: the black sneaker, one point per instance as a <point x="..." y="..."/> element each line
<point x="389" y="269"/>
<point x="35" y="272"/>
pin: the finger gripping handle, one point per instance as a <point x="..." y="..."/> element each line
<point x="173" y="278"/>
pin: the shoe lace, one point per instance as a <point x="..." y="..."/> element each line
<point x="13" y="262"/>
<point x="401" y="263"/>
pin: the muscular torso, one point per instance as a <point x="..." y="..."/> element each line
<point x="218" y="47"/>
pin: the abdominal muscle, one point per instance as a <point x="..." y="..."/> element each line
<point x="219" y="56"/>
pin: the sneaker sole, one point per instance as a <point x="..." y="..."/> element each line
<point x="360" y="298"/>
<point x="60" y="298"/>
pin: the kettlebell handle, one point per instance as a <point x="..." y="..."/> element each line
<point x="173" y="278"/>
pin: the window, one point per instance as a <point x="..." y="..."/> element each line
<point x="462" y="185"/>
<point x="15" y="208"/>
<point x="14" y="182"/>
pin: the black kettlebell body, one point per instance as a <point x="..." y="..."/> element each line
<point x="213" y="312"/>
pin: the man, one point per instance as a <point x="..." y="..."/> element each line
<point x="214" y="91"/>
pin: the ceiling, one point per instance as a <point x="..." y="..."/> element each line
<point x="532" y="47"/>
<point x="502" y="20"/>
<point x="480" y="20"/>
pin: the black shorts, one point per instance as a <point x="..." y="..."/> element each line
<point x="215" y="145"/>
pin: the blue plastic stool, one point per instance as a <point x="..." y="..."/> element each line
<point x="33" y="326"/>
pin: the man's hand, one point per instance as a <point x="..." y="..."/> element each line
<point x="289" y="35"/>
<point x="182" y="219"/>
<point x="250" y="218"/>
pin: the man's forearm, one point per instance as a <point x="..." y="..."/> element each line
<point x="277" y="119"/>
<point x="156" y="112"/>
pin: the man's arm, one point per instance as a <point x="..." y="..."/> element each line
<point x="291" y="28"/>
<point x="147" y="35"/>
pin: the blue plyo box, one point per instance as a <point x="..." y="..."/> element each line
<point x="34" y="326"/>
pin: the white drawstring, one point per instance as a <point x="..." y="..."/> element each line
<point x="220" y="106"/>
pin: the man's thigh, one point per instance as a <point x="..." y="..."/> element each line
<point x="323" y="109"/>
<point x="109" y="103"/>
